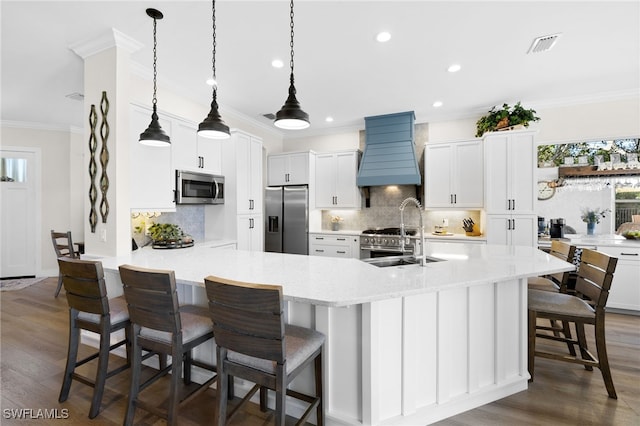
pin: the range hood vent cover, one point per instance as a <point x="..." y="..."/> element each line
<point x="389" y="154"/>
<point x="544" y="43"/>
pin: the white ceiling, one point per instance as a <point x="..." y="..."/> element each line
<point x="340" y="70"/>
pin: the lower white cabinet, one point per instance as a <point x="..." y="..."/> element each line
<point x="332" y="245"/>
<point x="625" y="288"/>
<point x="515" y="230"/>
<point x="250" y="232"/>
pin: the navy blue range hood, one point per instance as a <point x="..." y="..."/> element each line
<point x="389" y="154"/>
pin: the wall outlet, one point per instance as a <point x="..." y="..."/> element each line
<point x="103" y="235"/>
<point x="445" y="222"/>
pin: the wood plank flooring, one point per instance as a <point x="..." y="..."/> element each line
<point x="33" y="345"/>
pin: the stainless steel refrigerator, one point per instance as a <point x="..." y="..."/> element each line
<point x="287" y="219"/>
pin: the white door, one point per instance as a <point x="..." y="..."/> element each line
<point x="18" y="213"/>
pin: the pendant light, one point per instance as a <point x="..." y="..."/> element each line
<point x="291" y="116"/>
<point x="154" y="135"/>
<point x="213" y="127"/>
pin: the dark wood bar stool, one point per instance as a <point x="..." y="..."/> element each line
<point x="63" y="246"/>
<point x="593" y="282"/>
<point x="161" y="325"/>
<point x="90" y="309"/>
<point x="555" y="282"/>
<point x="254" y="343"/>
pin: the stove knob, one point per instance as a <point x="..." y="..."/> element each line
<point x="385" y="241"/>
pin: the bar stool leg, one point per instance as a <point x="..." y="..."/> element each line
<point x="72" y="356"/>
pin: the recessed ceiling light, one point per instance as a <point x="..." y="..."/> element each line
<point x="277" y="63"/>
<point x="329" y="119"/>
<point x="211" y="82"/>
<point x="454" y="68"/>
<point x="383" y="37"/>
<point x="437" y="104"/>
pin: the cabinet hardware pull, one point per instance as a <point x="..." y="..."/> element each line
<point x="628" y="254"/>
<point x="513" y="227"/>
<point x="251" y="223"/>
<point x="319" y="251"/>
<point x="342" y="239"/>
<point x="450" y="198"/>
<point x="341" y="252"/>
<point x="319" y="238"/>
<point x="455" y="198"/>
<point x="514" y="206"/>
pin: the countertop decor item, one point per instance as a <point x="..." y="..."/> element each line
<point x="591" y="217"/>
<point x="168" y="235"/>
<point x="505" y="118"/>
<point x="154" y="135"/>
<point x="335" y="223"/>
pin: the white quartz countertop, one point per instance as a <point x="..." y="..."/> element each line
<point x="342" y="282"/>
<point x="583" y="240"/>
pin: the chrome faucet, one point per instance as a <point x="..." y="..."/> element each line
<point x="404" y="203"/>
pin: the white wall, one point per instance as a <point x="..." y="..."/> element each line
<point x="57" y="210"/>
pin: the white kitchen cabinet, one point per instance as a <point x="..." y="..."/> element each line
<point x="193" y="152"/>
<point x="517" y="230"/>
<point x="248" y="172"/>
<point x="152" y="179"/>
<point x="250" y="232"/>
<point x="240" y="218"/>
<point x="332" y="245"/>
<point x="336" y="180"/>
<point x="510" y="166"/>
<point x="625" y="288"/>
<point x="454" y="174"/>
<point x="292" y="168"/>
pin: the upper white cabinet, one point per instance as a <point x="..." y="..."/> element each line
<point x="336" y="180"/>
<point x="454" y="174"/>
<point x="152" y="179"/>
<point x="292" y="168"/>
<point x="193" y="152"/>
<point x="510" y="161"/>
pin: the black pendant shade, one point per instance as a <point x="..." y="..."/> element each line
<point x="154" y="135"/>
<point x="291" y="116"/>
<point x="213" y="127"/>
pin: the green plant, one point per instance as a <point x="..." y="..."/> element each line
<point x="593" y="215"/>
<point x="504" y="117"/>
<point x="165" y="232"/>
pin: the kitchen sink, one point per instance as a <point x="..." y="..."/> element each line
<point x="384" y="262"/>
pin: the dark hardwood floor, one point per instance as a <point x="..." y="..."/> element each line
<point x="33" y="339"/>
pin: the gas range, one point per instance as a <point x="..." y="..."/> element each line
<point x="385" y="240"/>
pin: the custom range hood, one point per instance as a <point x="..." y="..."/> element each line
<point x="389" y="153"/>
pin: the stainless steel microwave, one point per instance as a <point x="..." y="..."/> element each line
<point x="198" y="188"/>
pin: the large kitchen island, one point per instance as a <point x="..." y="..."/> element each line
<point x="406" y="345"/>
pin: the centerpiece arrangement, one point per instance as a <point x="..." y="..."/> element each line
<point x="335" y="223"/>
<point x="168" y="235"/>
<point x="593" y="216"/>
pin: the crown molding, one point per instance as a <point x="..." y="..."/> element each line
<point x="41" y="126"/>
<point x="113" y="38"/>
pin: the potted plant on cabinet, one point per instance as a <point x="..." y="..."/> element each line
<point x="505" y="118"/>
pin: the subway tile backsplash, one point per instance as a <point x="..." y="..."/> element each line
<point x="384" y="212"/>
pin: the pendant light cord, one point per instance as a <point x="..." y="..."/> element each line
<point x="291" y="42"/>
<point x="213" y="51"/>
<point x="155" y="72"/>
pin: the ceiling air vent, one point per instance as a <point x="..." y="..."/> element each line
<point x="544" y="43"/>
<point x="269" y="116"/>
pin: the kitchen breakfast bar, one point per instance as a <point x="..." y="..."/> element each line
<point x="406" y="345"/>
